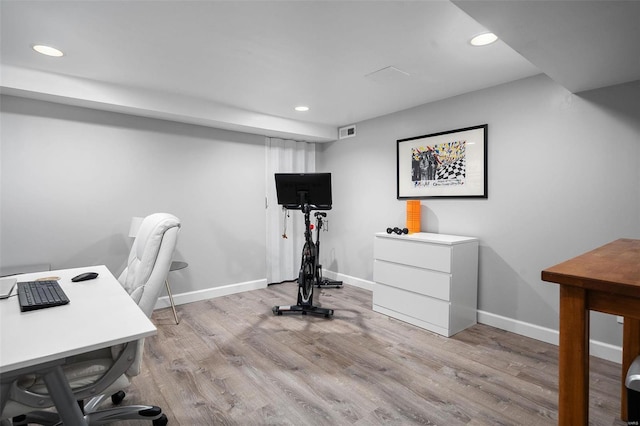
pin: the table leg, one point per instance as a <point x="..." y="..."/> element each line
<point x="573" y="362"/>
<point x="630" y="350"/>
<point x="173" y="306"/>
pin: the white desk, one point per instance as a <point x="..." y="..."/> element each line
<point x="100" y="314"/>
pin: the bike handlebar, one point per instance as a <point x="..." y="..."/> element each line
<point x="310" y="206"/>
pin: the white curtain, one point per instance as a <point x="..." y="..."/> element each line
<point x="283" y="254"/>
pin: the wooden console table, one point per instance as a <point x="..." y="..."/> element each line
<point x="606" y="279"/>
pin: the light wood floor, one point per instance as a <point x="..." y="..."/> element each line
<point x="230" y="361"/>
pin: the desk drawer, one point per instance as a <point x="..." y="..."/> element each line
<point x="414" y="253"/>
<point x="414" y="305"/>
<point x="422" y="281"/>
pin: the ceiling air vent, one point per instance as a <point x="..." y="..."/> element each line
<point x="347" y="132"/>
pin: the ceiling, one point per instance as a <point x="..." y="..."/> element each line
<point x="245" y="65"/>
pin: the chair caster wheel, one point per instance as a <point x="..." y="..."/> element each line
<point x="117" y="397"/>
<point x="161" y="421"/>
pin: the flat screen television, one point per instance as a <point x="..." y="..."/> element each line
<point x="296" y="189"/>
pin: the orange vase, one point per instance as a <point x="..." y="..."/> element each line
<point x="413" y="216"/>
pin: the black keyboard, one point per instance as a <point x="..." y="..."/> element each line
<point x="34" y="295"/>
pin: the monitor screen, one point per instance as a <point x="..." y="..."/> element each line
<point x="295" y="189"/>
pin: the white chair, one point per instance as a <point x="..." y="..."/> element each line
<point x="108" y="371"/>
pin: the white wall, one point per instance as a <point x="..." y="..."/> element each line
<point x="72" y="178"/>
<point x="563" y="179"/>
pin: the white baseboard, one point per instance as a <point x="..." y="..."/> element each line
<point x="356" y="282"/>
<point x="548" y="335"/>
<point x="598" y="349"/>
<point x="211" y="293"/>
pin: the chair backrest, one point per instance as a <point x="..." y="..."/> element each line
<point x="150" y="259"/>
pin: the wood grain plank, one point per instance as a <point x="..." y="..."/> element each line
<point x="230" y="361"/>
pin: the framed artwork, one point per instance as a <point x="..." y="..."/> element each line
<point x="450" y="164"/>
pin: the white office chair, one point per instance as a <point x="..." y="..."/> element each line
<point x="106" y="372"/>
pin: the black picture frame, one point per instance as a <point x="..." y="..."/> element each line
<point x="450" y="164"/>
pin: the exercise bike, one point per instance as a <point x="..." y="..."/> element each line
<point x="320" y="281"/>
<point x="306" y="192"/>
<point x="308" y="276"/>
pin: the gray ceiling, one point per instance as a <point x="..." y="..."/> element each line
<point x="245" y="64"/>
<point x="582" y="45"/>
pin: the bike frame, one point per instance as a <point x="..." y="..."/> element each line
<point x="308" y="275"/>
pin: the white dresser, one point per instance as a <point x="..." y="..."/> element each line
<point x="428" y="280"/>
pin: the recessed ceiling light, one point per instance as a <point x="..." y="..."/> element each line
<point x="302" y="108"/>
<point x="47" y="50"/>
<point x="483" y="39"/>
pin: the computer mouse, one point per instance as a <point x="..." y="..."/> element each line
<point x="85" y="276"/>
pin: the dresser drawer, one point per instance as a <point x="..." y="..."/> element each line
<point x="414" y="305"/>
<point x="414" y="253"/>
<point x="422" y="281"/>
<point x="428" y="280"/>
